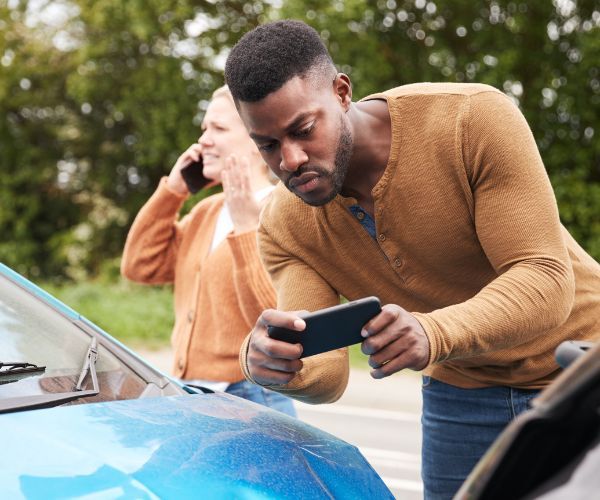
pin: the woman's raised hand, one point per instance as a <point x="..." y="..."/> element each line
<point x="243" y="207"/>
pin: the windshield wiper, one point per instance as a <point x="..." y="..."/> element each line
<point x="49" y="400"/>
<point x="11" y="372"/>
<point x="89" y="365"/>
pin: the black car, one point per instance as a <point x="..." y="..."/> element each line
<point x="553" y="450"/>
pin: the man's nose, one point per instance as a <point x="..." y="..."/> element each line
<point x="292" y="157"/>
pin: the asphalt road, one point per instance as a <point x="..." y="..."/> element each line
<point x="380" y="417"/>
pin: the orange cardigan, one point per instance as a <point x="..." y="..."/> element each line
<point x="218" y="295"/>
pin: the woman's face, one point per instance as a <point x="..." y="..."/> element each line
<point x="223" y="134"/>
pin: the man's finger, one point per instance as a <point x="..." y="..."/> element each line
<point x="277" y="349"/>
<point x="270" y="377"/>
<point x="412" y="352"/>
<point x="282" y="365"/>
<point x="391" y="351"/>
<point x="389" y="313"/>
<point x="290" y="320"/>
<point x="392" y="366"/>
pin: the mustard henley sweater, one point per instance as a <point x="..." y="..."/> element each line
<point x="468" y="239"/>
<point x="218" y="294"/>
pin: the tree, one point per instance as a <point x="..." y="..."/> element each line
<point x="99" y="99"/>
<point x="544" y="55"/>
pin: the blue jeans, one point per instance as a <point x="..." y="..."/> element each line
<point x="459" y="425"/>
<point x="266" y="397"/>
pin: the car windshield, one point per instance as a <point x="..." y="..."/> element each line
<point x="33" y="332"/>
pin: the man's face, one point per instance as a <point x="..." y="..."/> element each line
<point x="302" y="133"/>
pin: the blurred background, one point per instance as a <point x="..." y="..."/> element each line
<point x="99" y="97"/>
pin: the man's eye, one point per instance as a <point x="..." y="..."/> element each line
<point x="305" y="132"/>
<point x="267" y="148"/>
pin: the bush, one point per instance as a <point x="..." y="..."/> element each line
<point x="137" y="315"/>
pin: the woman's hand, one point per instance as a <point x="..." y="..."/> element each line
<point x="175" y="181"/>
<point x="243" y="207"/>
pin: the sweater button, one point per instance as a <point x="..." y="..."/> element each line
<point x="397" y="262"/>
<point x="360" y="216"/>
<point x="381" y="237"/>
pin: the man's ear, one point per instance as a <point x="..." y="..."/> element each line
<point x="343" y="90"/>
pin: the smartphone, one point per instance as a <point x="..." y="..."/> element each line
<point x="193" y="176"/>
<point x="331" y="328"/>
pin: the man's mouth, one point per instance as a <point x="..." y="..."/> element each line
<point x="304" y="183"/>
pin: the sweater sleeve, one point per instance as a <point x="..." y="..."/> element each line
<point x="518" y="227"/>
<point x="323" y="377"/>
<point x="151" y="246"/>
<point x="253" y="286"/>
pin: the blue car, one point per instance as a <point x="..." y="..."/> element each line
<point x="83" y="416"/>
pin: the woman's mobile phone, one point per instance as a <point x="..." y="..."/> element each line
<point x="193" y="176"/>
<point x="331" y="328"/>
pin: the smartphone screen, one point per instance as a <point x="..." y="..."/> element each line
<point x="331" y="328"/>
<point x="193" y="176"/>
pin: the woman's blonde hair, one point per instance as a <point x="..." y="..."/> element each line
<point x="222" y="92"/>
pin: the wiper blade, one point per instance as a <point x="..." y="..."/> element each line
<point x="13" y="371"/>
<point x="50" y="400"/>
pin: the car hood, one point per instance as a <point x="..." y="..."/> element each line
<point x="209" y="446"/>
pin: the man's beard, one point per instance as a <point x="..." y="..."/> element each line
<point x="343" y="154"/>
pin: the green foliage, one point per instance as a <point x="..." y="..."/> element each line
<point x="543" y="54"/>
<point x="99" y="97"/>
<point x="136" y="315"/>
<point x="97" y="100"/>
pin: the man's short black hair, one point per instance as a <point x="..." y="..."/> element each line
<point x="265" y="58"/>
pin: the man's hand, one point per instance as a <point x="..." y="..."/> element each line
<point x="272" y="361"/>
<point x="395" y="340"/>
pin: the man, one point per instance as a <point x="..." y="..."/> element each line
<point x="432" y="197"/>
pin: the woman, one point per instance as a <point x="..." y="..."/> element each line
<point x="210" y="255"/>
